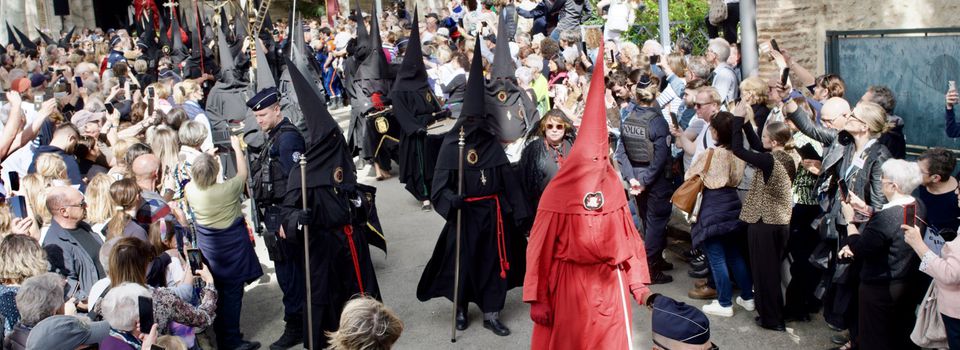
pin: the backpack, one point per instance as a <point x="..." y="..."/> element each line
<point x="635" y="135"/>
<point x="718" y="12"/>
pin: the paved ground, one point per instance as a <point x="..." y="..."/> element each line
<point x="412" y="234"/>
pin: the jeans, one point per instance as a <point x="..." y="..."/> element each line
<point x="227" y="322"/>
<point x="723" y="253"/>
<point x="952" y="326"/>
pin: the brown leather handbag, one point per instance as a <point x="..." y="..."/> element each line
<point x="687" y="197"/>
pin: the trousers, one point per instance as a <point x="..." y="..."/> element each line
<point x="227" y="322"/>
<point x="767" y="244"/>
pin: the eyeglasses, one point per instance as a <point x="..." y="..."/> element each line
<point x="556" y="126"/>
<point x="700" y="105"/>
<point x="855" y="117"/>
<point x="82" y="204"/>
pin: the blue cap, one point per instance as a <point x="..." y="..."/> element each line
<point x="678" y="325"/>
<point x="263" y="99"/>
<point x="37" y="79"/>
<point x="114" y="41"/>
<point x="170" y="74"/>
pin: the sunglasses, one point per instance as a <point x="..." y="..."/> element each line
<point x="555" y="126"/>
<point x="700" y="105"/>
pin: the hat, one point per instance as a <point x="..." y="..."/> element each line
<point x="82" y="117"/>
<point x="20" y="85"/>
<point x="263" y="99"/>
<point x="444" y="32"/>
<point x="169" y="74"/>
<point x="66" y="332"/>
<point x="677" y="325"/>
<point x="37" y="79"/>
<point x="114" y="41"/>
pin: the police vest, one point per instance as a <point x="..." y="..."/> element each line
<point x="269" y="180"/>
<point x="635" y="134"/>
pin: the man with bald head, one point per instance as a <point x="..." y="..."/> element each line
<point x="72" y="247"/>
<point x="146" y="171"/>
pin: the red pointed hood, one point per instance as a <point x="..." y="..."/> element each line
<point x="587" y="183"/>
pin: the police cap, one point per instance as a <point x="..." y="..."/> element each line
<point x="263" y="99"/>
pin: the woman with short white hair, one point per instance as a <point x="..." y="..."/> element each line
<point x="121" y="309"/>
<point x="888" y="292"/>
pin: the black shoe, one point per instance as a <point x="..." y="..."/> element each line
<point x="779" y="328"/>
<point x="249" y="345"/>
<point x="292" y="336"/>
<point x="797" y="318"/>
<point x="699" y="263"/>
<point x="661" y="265"/>
<point x="426" y="207"/>
<point x="839" y="339"/>
<point x="658" y="277"/>
<point x="496" y="327"/>
<point x="701" y="273"/>
<point x="690" y="254"/>
<point x="462" y="321"/>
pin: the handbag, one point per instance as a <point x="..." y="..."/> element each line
<point x="929" y="331"/>
<point x="687" y="198"/>
<point x="718" y="12"/>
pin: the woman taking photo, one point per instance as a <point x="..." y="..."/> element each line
<point x="888" y="293"/>
<point x="766" y="209"/>
<point x="548" y="145"/>
<point x="223" y="237"/>
<point x="718" y="222"/>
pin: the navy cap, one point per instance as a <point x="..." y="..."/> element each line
<point x="263" y="99"/>
<point x="37" y="79"/>
<point x="677" y="325"/>
<point x="170" y="74"/>
<point x="114" y="41"/>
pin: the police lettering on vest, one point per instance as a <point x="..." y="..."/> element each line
<point x="635" y="134"/>
<point x="269" y="179"/>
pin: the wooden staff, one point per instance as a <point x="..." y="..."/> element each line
<point x="456" y="272"/>
<point x="306" y="250"/>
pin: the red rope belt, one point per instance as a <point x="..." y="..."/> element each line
<point x="348" y="230"/>
<point x="501" y="242"/>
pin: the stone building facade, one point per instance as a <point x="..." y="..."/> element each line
<point x="31" y="14"/>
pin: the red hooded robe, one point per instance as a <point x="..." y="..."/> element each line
<point x="585" y="257"/>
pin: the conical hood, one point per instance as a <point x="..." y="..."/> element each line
<point x="413" y="74"/>
<point x="196" y="43"/>
<point x="503" y="65"/>
<point x="225" y="25"/>
<point x="265" y="78"/>
<point x="328" y="162"/>
<point x="164" y="32"/>
<point x="477" y="126"/>
<point x="240" y="22"/>
<point x="12" y="39"/>
<point x="296" y="44"/>
<point x="374" y="66"/>
<point x="587" y="171"/>
<point x="65" y="41"/>
<point x="46" y="38"/>
<point x="25" y="40"/>
<point x="226" y="56"/>
<point x="362" y="36"/>
<point x="177" y="51"/>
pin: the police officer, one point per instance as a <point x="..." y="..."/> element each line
<point x="644" y="157"/>
<point x="280" y="154"/>
<point x="116" y="52"/>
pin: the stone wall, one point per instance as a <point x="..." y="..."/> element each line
<point x="800" y="26"/>
<point x="28" y="15"/>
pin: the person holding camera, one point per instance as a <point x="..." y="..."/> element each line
<point x="271" y="168"/>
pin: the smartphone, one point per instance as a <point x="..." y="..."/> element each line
<point x="150" y="95"/>
<point x="37" y="102"/>
<point x="109" y="107"/>
<point x="910" y="214"/>
<point x="122" y="81"/>
<point x="842" y="190"/>
<point x="654" y="60"/>
<point x="784" y="76"/>
<point x="675" y="120"/>
<point x="18" y="205"/>
<point x="146" y="313"/>
<point x="14" y="181"/>
<point x="78" y="81"/>
<point x="774" y="46"/>
<point x="195" y="257"/>
<point x="953" y="85"/>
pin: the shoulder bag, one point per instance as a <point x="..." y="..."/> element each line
<point x="687" y="198"/>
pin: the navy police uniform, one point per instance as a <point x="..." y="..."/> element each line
<point x="272" y="168"/>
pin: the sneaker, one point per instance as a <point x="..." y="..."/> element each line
<point x="690" y="254"/>
<point x="746" y="304"/>
<point x="699" y="263"/>
<point x="716" y="309"/>
<point x="661" y="265"/>
<point x="658" y="277"/>
<point x="699" y="273"/>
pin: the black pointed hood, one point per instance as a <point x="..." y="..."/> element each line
<point x="374" y="66"/>
<point x="414" y="105"/>
<point x="178" y="53"/>
<point x="328" y="161"/>
<point x="164" y="31"/>
<point x="12" y="39"/>
<point x="478" y="127"/>
<point x="25" y="40"/>
<point x="265" y="75"/>
<point x="227" y="62"/>
<point x="240" y="22"/>
<point x="413" y="74"/>
<point x="225" y="26"/>
<point x="503" y="64"/>
<point x="363" y="37"/>
<point x="46" y="38"/>
<point x="65" y="41"/>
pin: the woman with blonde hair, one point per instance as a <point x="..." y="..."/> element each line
<point x="35" y="190"/>
<point x="187" y="95"/>
<point x="674" y="68"/>
<point x="99" y="202"/>
<point x="166" y="147"/>
<point x="753" y="91"/>
<point x="51" y="167"/>
<point x="126" y="198"/>
<point x="118" y="168"/>
<point x="366" y="324"/>
<point x="21" y="257"/>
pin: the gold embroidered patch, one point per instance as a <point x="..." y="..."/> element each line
<point x="472" y="156"/>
